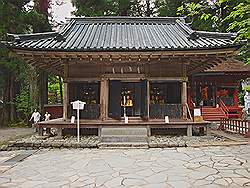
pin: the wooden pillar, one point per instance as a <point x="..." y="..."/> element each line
<point x="59" y="131"/>
<point x="65" y="101"/>
<point x="189" y="130"/>
<point x="65" y="92"/>
<point x="148" y="97"/>
<point x="184" y="98"/>
<point x="104" y="99"/>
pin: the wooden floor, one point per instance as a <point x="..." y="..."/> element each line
<point x="153" y="123"/>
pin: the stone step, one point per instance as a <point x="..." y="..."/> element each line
<point x="124" y="138"/>
<point x="105" y="131"/>
<point x="123" y="145"/>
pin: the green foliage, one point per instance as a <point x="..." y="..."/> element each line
<point x="24" y="104"/>
<point x="90" y="7"/>
<point x="239" y="21"/>
<point x="112" y="8"/>
<point x="222" y="16"/>
<point x="201" y="15"/>
<point x="17" y="17"/>
<point x="167" y="7"/>
<point x="54" y="90"/>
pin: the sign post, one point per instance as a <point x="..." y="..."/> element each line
<point x="78" y="105"/>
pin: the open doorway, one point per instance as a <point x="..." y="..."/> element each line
<point x="127" y="98"/>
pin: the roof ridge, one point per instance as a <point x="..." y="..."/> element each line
<point x="185" y="27"/>
<point x="32" y="35"/>
<point x="217" y="34"/>
<point x="127" y="19"/>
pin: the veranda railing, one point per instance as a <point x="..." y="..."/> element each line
<point x="236" y="125"/>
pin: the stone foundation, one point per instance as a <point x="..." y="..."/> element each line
<point x="36" y="142"/>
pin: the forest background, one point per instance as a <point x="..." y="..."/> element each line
<point x="24" y="88"/>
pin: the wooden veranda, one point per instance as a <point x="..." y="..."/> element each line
<point x="61" y="124"/>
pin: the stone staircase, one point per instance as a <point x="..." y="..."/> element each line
<point x="124" y="137"/>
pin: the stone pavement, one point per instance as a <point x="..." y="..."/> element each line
<point x="170" y="167"/>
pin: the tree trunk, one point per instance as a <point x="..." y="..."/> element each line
<point x="33" y="88"/>
<point x="11" y="89"/>
<point x="6" y="99"/>
<point x="148" y="9"/>
<point x="11" y="99"/>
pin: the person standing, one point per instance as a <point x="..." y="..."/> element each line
<point x="36" y="118"/>
<point x="47" y="116"/>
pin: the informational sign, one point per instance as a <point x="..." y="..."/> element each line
<point x="197" y="115"/>
<point x="72" y="120"/>
<point x="166" y="119"/>
<point x="197" y="112"/>
<point x="126" y="119"/>
<point x="78" y="105"/>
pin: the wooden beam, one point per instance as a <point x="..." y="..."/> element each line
<point x="179" y="79"/>
<point x="213" y="52"/>
<point x="125" y="76"/>
<point x="82" y="79"/>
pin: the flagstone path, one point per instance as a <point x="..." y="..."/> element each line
<point x="169" y="167"/>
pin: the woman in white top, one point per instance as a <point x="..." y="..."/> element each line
<point x="35" y="116"/>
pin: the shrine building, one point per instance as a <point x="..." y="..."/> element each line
<point x="138" y="67"/>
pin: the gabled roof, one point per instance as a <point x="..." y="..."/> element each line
<point x="124" y="34"/>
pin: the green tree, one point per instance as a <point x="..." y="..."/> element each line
<point x="90" y="7"/>
<point x="222" y="16"/>
<point x="239" y="21"/>
<point x="167" y="7"/>
<point x="113" y="7"/>
<point x="16" y="17"/>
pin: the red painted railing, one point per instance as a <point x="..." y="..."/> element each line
<point x="236" y="125"/>
<point x="223" y="107"/>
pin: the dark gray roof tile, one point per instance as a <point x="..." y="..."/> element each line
<point x="124" y="34"/>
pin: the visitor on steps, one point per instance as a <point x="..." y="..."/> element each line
<point x="47" y="118"/>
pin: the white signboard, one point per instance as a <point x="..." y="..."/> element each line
<point x="126" y="119"/>
<point x="197" y="112"/>
<point x="72" y="120"/>
<point x="166" y="119"/>
<point x="78" y="105"/>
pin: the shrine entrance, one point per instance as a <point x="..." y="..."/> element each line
<point x="131" y="99"/>
<point x="128" y="98"/>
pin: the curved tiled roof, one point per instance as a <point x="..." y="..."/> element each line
<point x="231" y="65"/>
<point x="124" y="34"/>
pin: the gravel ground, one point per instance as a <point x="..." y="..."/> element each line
<point x="181" y="141"/>
<point x="7" y="134"/>
<point x="36" y="142"/>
